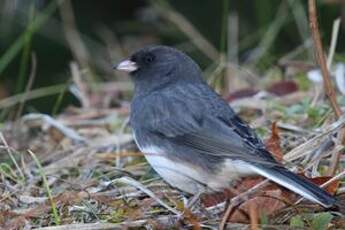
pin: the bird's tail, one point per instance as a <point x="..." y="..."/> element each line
<point x="297" y="184"/>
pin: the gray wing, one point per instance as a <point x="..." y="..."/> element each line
<point x="195" y="120"/>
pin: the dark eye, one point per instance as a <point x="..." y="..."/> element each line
<point x="134" y="58"/>
<point x="149" y="58"/>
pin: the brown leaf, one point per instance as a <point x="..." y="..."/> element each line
<point x="209" y="200"/>
<point x="265" y="204"/>
<point x="253" y="215"/>
<point x="282" y="88"/>
<point x="241" y="93"/>
<point x="273" y="143"/>
<point x="192" y="219"/>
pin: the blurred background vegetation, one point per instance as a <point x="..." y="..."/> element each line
<point x="39" y="39"/>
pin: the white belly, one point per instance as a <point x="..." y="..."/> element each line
<point x="182" y="176"/>
<point x="191" y="178"/>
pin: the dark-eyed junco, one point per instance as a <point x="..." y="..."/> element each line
<point x="191" y="136"/>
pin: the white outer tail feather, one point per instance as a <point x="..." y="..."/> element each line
<point x="285" y="184"/>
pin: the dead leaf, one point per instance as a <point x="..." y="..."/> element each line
<point x="188" y="215"/>
<point x="282" y="88"/>
<point x="273" y="143"/>
<point x="192" y="219"/>
<point x="254" y="217"/>
<point x="265" y="204"/>
<point x="212" y="199"/>
<point x="241" y="93"/>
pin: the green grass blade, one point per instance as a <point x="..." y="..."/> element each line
<point x="57" y="219"/>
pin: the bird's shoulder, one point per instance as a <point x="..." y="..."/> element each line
<point x="180" y="100"/>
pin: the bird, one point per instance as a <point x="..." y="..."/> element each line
<point x="191" y="136"/>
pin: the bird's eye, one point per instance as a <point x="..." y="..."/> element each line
<point x="149" y="58"/>
<point x="134" y="58"/>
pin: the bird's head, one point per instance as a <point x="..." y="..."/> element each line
<point x="153" y="66"/>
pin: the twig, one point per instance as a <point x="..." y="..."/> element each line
<point x="305" y="148"/>
<point x="337" y="177"/>
<point x="225" y="218"/>
<point x="47" y="121"/>
<point x="329" y="90"/>
<point x="316" y="156"/>
<point x="320" y="57"/>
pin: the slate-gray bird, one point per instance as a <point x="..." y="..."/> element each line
<point x="191" y="136"/>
